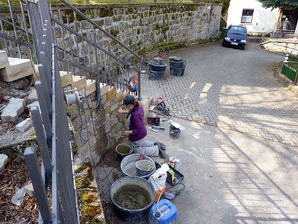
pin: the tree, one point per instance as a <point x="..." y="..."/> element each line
<point x="279" y="3"/>
<point x="225" y="7"/>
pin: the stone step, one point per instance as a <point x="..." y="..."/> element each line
<point x="90" y="87"/>
<point x="66" y="78"/>
<point x="78" y="82"/>
<point x="3" y="59"/>
<point x="18" y="68"/>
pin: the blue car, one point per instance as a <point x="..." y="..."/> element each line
<point x="235" y="36"/>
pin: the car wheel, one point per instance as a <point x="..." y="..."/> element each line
<point x="223" y="44"/>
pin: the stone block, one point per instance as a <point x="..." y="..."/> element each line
<point x="13" y="110"/>
<point x="3" y="161"/>
<point x="78" y="82"/>
<point x="91" y="87"/>
<point x="34" y="104"/>
<point x="18" y="68"/>
<point x="3" y="59"/>
<point x="32" y="96"/>
<point x="103" y="90"/>
<point x="29" y="189"/>
<point x="66" y="78"/>
<point x="24" y="125"/>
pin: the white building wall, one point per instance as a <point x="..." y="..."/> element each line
<point x="264" y="20"/>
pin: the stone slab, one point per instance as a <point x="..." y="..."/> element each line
<point x="66" y="78"/>
<point x="3" y="59"/>
<point x="32" y="96"/>
<point x="3" y="161"/>
<point x="13" y="110"/>
<point x="18" y="68"/>
<point x="78" y="82"/>
<point x="90" y="87"/>
<point x="24" y="125"/>
<point x="35" y="103"/>
<point x="29" y="189"/>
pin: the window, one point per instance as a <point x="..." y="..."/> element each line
<point x="247" y="15"/>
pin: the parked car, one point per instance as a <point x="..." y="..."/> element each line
<point x="235" y="36"/>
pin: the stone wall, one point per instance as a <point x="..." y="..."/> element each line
<point x="108" y="125"/>
<point x="146" y="27"/>
<point x="141" y="27"/>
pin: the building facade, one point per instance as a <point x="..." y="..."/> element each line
<point x="250" y="13"/>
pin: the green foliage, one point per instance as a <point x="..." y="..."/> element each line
<point x="225" y="7"/>
<point x="279" y="3"/>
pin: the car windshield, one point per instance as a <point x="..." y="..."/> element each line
<point x="237" y="30"/>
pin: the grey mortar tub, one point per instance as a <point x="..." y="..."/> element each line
<point x="132" y="215"/>
<point x="128" y="165"/>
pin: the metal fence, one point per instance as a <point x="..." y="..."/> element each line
<point x="55" y="183"/>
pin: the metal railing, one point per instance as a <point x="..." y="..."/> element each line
<point x="96" y="54"/>
<point x="16" y="39"/>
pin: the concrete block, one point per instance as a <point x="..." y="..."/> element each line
<point x="18" y="68"/>
<point x="66" y="78"/>
<point x="78" y="82"/>
<point x="91" y="87"/>
<point x="32" y="96"/>
<point x="3" y="161"/>
<point x="13" y="110"/>
<point x="3" y="59"/>
<point x="24" y="125"/>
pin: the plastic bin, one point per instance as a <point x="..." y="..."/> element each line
<point x="177" y="66"/>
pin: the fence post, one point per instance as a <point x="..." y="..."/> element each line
<point x="97" y="84"/>
<point x="39" y="188"/>
<point x="42" y="140"/>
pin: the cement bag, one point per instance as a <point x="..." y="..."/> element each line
<point x="158" y="180"/>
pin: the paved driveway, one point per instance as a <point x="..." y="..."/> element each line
<point x="232" y="178"/>
<point x="231" y="89"/>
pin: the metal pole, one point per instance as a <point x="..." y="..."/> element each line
<point x="98" y="94"/>
<point x="39" y="189"/>
<point x="14" y="28"/>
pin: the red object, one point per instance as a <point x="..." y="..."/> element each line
<point x="142" y="156"/>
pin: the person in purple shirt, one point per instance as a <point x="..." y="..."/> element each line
<point x="137" y="131"/>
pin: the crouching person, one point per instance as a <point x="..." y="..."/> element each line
<point x="136" y="130"/>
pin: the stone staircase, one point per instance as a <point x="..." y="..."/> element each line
<point x="12" y="69"/>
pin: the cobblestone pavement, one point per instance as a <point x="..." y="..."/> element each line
<point x="232" y="89"/>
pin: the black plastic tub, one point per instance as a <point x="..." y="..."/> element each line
<point x="177" y="66"/>
<point x="156" y="75"/>
<point x="124" y="184"/>
<point x="157" y="69"/>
